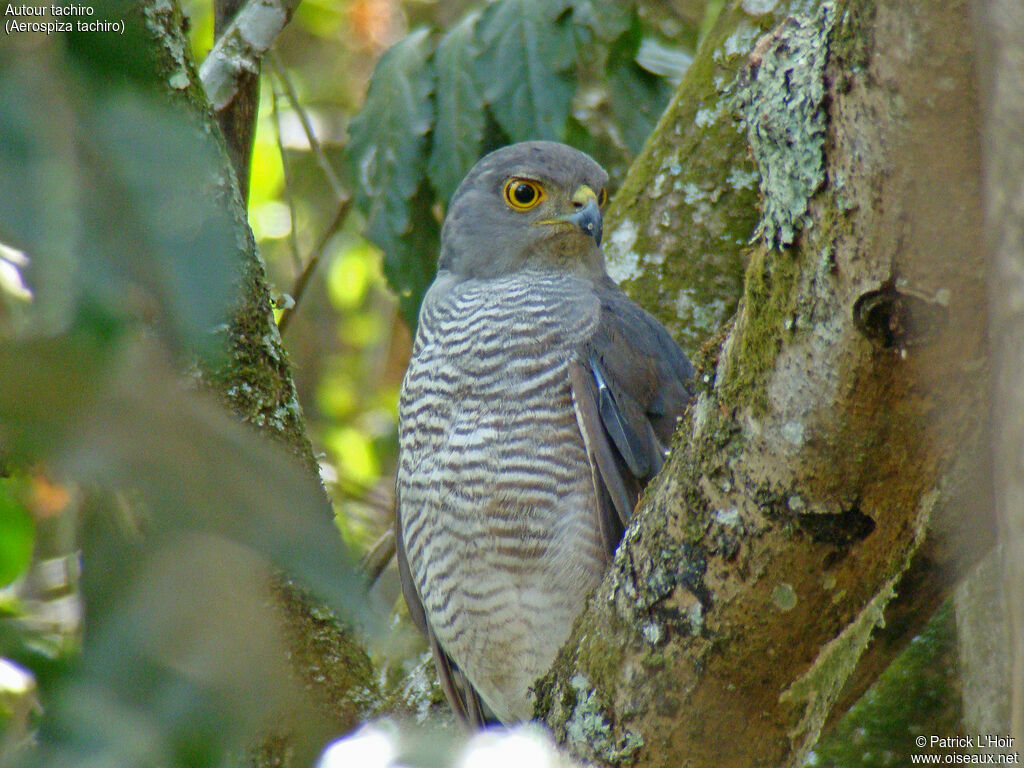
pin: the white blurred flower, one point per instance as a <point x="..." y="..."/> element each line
<point x="11" y="263"/>
<point x="526" y="745"/>
<point x="378" y="745"/>
<point x="372" y="746"/>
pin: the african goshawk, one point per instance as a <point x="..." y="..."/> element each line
<point x="538" y="402"/>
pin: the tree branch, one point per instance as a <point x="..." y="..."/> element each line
<point x="238" y="51"/>
<point x="255" y="381"/>
<point x="237" y="118"/>
<point x="299" y="288"/>
<point x="833" y="422"/>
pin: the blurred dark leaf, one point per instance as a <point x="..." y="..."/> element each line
<point x="637" y="97"/>
<point x="387" y="149"/>
<point x="121" y="200"/>
<point x="187" y="667"/>
<point x="39" y="178"/>
<point x="528" y="48"/>
<point x="182" y="643"/>
<point x="120" y="418"/>
<point x="117" y="201"/>
<point x="156" y="234"/>
<point x="459" y="128"/>
<point x="115" y="57"/>
<point x="411" y="265"/>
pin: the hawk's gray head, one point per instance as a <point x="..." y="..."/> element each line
<point x="531" y="205"/>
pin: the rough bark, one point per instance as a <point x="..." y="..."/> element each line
<point x="1000" y="26"/>
<point x="255" y="382"/>
<point x="842" y="411"/>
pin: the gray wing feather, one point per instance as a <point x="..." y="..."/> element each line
<point x="631" y="382"/>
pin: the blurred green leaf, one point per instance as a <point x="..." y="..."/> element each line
<point x="174" y="248"/>
<point x="459" y="129"/>
<point x="119" y="418"/>
<point x="17" y="533"/>
<point x="120" y="197"/>
<point x="607" y="20"/>
<point x="386" y="157"/>
<point x="637" y="97"/>
<point x="118" y="202"/>
<point x="40" y="180"/>
<point x="528" y="48"/>
<point x="181" y="645"/>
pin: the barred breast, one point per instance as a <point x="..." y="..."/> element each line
<point x="496" y="492"/>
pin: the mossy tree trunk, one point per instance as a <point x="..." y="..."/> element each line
<point x="837" y="443"/>
<point x="254" y="381"/>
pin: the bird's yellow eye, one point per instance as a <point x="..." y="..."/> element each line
<point x="602" y="197"/>
<point x="523" y="194"/>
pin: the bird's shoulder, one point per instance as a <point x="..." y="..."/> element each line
<point x="641" y="357"/>
<point x="631" y="383"/>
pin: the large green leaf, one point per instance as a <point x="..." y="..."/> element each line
<point x="182" y="649"/>
<point x="459" y="129"/>
<point x="637" y="97"/>
<point x="120" y="200"/>
<point x="387" y="152"/>
<point x="113" y="194"/>
<point x="527" y="52"/>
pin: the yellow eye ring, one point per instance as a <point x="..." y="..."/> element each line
<point x="602" y="197"/>
<point x="523" y="194"/>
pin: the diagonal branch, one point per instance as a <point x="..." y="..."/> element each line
<point x="299" y="289"/>
<point x="340" y="194"/>
<point x="238" y="51"/>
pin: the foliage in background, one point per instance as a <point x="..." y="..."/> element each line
<point x="514" y="71"/>
<point x="116" y="203"/>
<point x="17" y="534"/>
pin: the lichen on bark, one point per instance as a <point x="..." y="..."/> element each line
<point x="781" y="97"/>
<point x="677" y="227"/>
<point x="763" y="556"/>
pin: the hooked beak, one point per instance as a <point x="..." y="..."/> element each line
<point x="588" y="219"/>
<point x="587" y="216"/>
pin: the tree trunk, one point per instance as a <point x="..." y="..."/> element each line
<point x="843" y="411"/>
<point x="982" y="640"/>
<point x="255" y="382"/>
<point x="1001" y="57"/>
